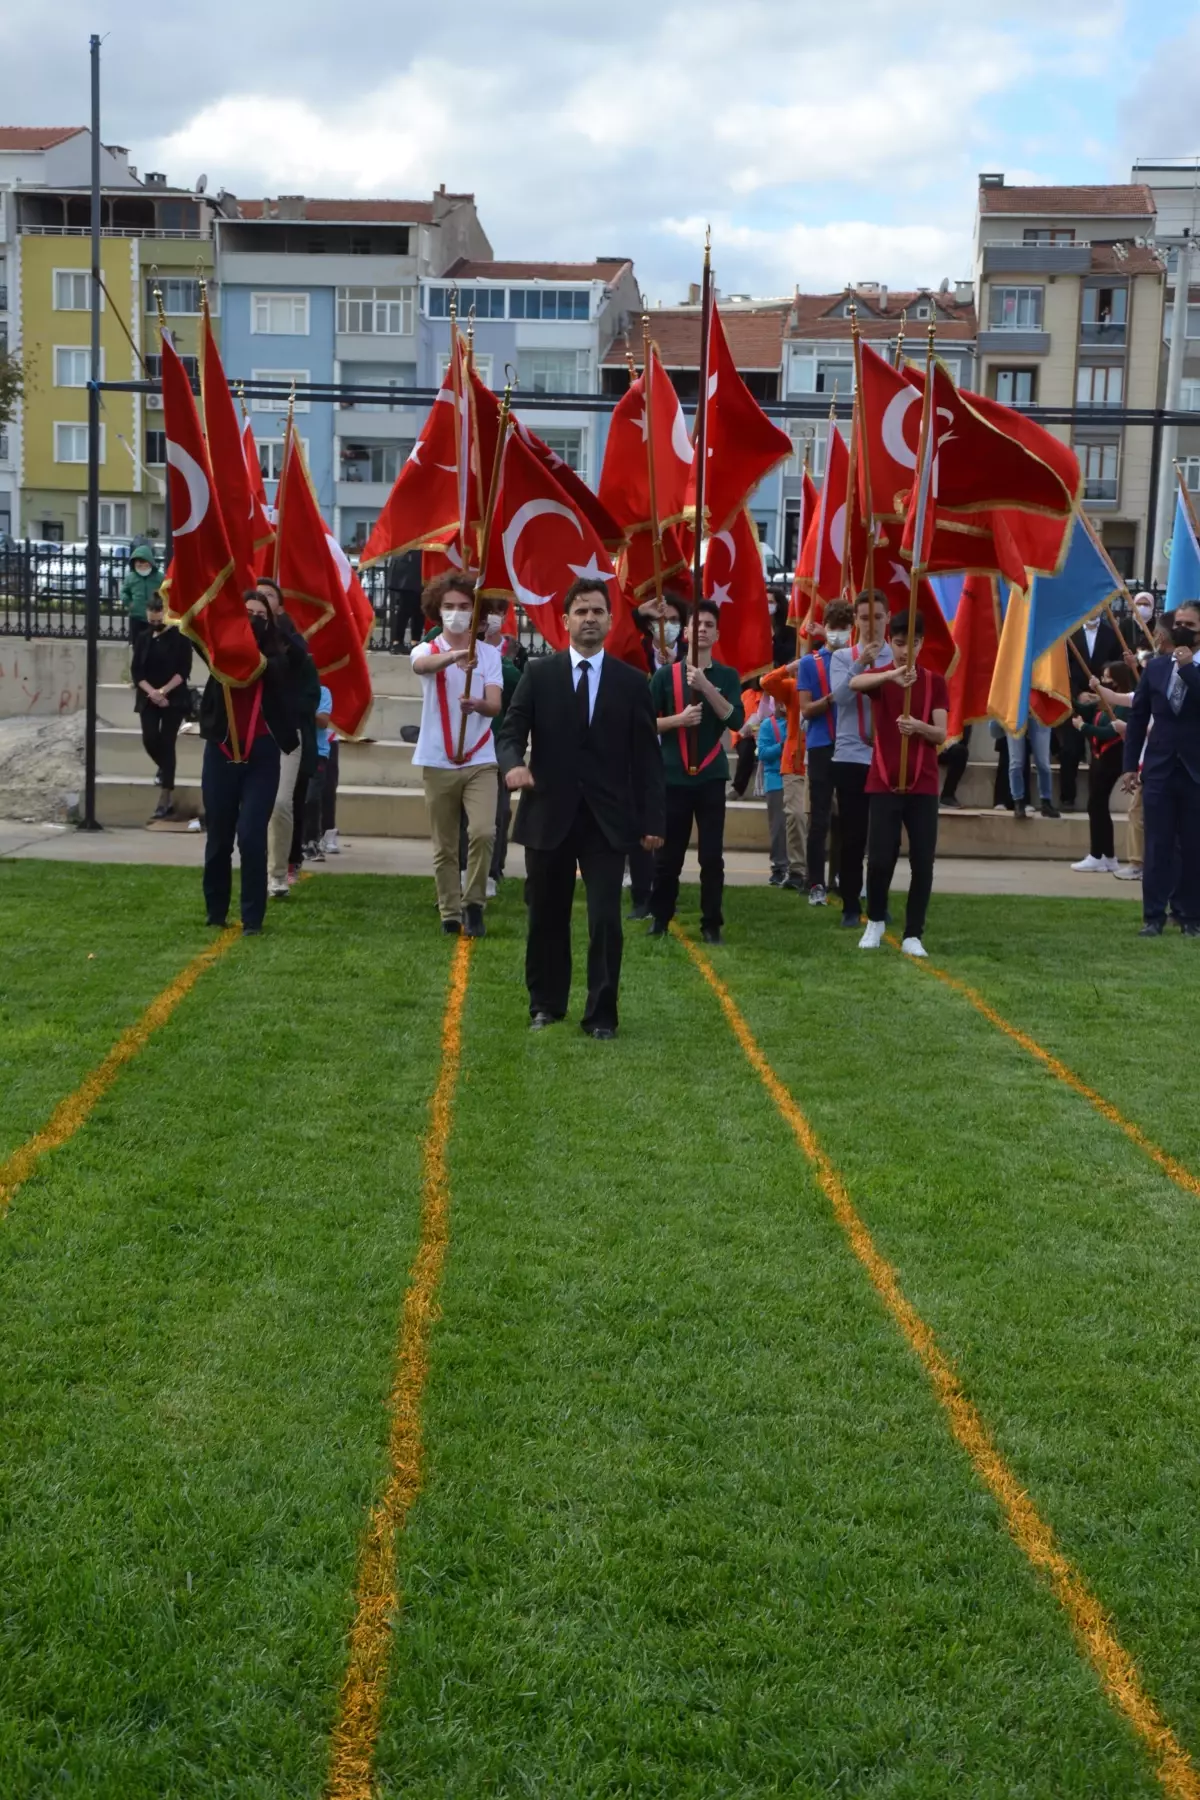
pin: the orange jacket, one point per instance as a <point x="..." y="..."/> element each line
<point x="783" y="690"/>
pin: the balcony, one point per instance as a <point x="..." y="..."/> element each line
<point x="1013" y="258"/>
<point x="1013" y="343"/>
<point x="1103" y="334"/>
<point x="3" y="297"/>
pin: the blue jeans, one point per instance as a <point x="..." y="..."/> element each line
<point x="1039" y="743"/>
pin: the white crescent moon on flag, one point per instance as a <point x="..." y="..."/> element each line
<point x="524" y="515"/>
<point x="195" y="481"/>
<point x="894" y="441"/>
<point x="837" y="532"/>
<point x="341" y="559"/>
<point x="681" y="443"/>
<point x="726" y="538"/>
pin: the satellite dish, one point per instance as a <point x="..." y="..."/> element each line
<point x="201" y="183"/>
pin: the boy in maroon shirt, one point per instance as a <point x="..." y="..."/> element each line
<point x="916" y="809"/>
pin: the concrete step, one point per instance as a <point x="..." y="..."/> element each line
<point x="388" y="715"/>
<point x="119" y="751"/>
<point x="389" y="674"/>
<point x="369" y="811"/>
<point x="979" y="782"/>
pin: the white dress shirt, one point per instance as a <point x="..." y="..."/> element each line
<point x="593" y="662"/>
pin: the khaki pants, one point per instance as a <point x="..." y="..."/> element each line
<point x="1135" y="831"/>
<point x="793" y="811"/>
<point x="279" y="834"/>
<point x="447" y="793"/>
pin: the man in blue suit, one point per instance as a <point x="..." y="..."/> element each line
<point x="1168" y="697"/>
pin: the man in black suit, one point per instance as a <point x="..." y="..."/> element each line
<point x="1098" y="644"/>
<point x="1168" y="696"/>
<point x="593" y="791"/>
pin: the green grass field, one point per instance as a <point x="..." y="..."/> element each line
<point x="693" y="1522"/>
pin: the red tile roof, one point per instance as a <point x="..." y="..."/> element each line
<point x="1091" y="202"/>
<point x="607" y="270"/>
<point x="810" y="316"/>
<point x="347" y="212"/>
<point x="1126" y="259"/>
<point x="36" y="137"/>
<point x="755" y="338"/>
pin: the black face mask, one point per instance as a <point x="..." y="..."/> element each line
<point x="158" y="625"/>
<point x="1184" y="636"/>
<point x="261" y="628"/>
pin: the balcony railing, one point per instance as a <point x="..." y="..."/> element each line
<point x="110" y="231"/>
<point x="1101" y="490"/>
<point x="1108" y="334"/>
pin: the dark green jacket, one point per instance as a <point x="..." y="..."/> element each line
<point x="137" y="591"/>
<point x="710" y="729"/>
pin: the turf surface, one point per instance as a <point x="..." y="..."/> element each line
<point x="693" y="1523"/>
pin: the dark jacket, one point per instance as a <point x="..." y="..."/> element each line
<point x="306" y="691"/>
<point x="1108" y="649"/>
<point x="615" y="765"/>
<point x="280" y="679"/>
<point x="1176" y="735"/>
<point x="157" y="655"/>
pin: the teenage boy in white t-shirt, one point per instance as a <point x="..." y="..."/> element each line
<point x="453" y="784"/>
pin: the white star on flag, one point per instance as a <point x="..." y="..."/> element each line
<point x="720" y="595"/>
<point x="591" y="570"/>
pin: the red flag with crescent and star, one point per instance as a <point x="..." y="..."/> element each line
<point x="893" y="578"/>
<point x="319" y="593"/>
<point x="226" y="454"/>
<point x="742" y="445"/>
<point x="625" y="476"/>
<point x="575" y="488"/>
<point x="540" y="544"/>
<point x="201" y="588"/>
<point x="424" y="502"/>
<point x="820" y="568"/>
<point x="735" y="579"/>
<point x="263" y="524"/>
<point x="801" y="597"/>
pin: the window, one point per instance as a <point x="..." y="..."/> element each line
<point x="156" y="448"/>
<point x="804" y="437"/>
<point x="1100" y="384"/>
<point x="439" y="302"/>
<point x="567" y="445"/>
<point x="73" y="290"/>
<point x="180" y="296"/>
<point x="114" y="518"/>
<point x="1103" y="315"/>
<point x="51" y="531"/>
<point x="923" y="310"/>
<point x="191" y="365"/>
<point x="1016" y="387"/>
<point x="483" y="367"/>
<point x="382" y="310"/>
<point x="270" y="456"/>
<point x="1191" y="473"/>
<point x="1100" y="464"/>
<point x="278" y="403"/>
<point x="1193" y="321"/>
<point x="549" y="303"/>
<point x="279" y="315"/>
<point x="73" y="367"/>
<point x="71" y="443"/>
<point x="378" y="462"/>
<point x="1039" y="235"/>
<point x="1015" y="308"/>
<point x="816" y="466"/>
<point x="488" y="302"/>
<point x="394" y="377"/>
<point x="1189" y="396"/>
<point x="834" y="377"/>
<point x="554" y="371"/>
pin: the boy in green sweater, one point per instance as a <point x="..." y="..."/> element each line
<point x="696" y="704"/>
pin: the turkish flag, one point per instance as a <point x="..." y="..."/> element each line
<point x="201" y="587"/>
<point x="226" y="454"/>
<point x="625" y="477"/>
<point x="735" y="579"/>
<point x="675" y="560"/>
<point x="575" y="488"/>
<point x="801" y="597"/>
<point x="318" y="591"/>
<point x="976" y="633"/>
<point x="889" y="411"/>
<point x="820" y="567"/>
<point x="741" y="444"/>
<point x="262" y="527"/>
<point x="893" y="577"/>
<point x="484" y="416"/>
<point x="424" y="502"/>
<point x="540" y="544"/>
<point x="437" y="559"/>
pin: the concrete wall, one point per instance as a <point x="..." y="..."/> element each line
<point x="41" y="679"/>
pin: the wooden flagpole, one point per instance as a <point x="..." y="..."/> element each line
<point x="289" y="427"/>
<point x="1119" y="579"/>
<point x="800" y="537"/>
<point x="484" y="547"/>
<point x="701" y="439"/>
<point x="652" y="481"/>
<point x="851" y="477"/>
<point x="900" y="336"/>
<point x="914" y="581"/>
<point x="1077" y="653"/>
<point x="864" y="451"/>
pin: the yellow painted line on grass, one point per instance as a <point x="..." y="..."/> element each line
<point x="1178" y="1172"/>
<point x="73" y="1112"/>
<point x="1093" y="1631"/>
<point x="356" y="1730"/>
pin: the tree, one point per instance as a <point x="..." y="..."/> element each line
<point x="10" y="385"/>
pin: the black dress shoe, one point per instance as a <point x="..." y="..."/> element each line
<point x="540" y="1020"/>
<point x="451" y="927"/>
<point x="1048" y="810"/>
<point x="950" y="800"/>
<point x="219" y="924"/>
<point x="1152" y="928"/>
<point x="710" y="934"/>
<point x="600" y="1031"/>
<point x="1020" y="810"/>
<point x="251" y="930"/>
<point x="658" y="928"/>
<point x="639" y="912"/>
<point x="473" y="925"/>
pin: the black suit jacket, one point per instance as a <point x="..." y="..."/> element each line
<point x="1108" y="649"/>
<point x="615" y="765"/>
<point x="1176" y="735"/>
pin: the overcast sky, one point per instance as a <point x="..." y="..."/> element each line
<point x="825" y="142"/>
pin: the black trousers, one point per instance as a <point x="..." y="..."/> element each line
<point x="503" y="820"/>
<point x="1103" y="777"/>
<point x="850" y="786"/>
<point x="954" y="761"/>
<point x="704" y="805"/>
<point x="299" y="802"/>
<point x="918" y="815"/>
<point x="820" y="810"/>
<point x="747" y="758"/>
<point x="1171" y="871"/>
<point x="641" y="876"/>
<point x="238" y="798"/>
<point x="1072" y="747"/>
<point x="549" y="896"/>
<point x="314" y="800"/>
<point x="329" y="789"/>
<point x="160" y="728"/>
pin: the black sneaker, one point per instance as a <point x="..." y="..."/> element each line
<point x="638" y="913"/>
<point x="658" y="928"/>
<point x="451" y="927"/>
<point x="473" y="925"/>
<point x="1048" y="810"/>
<point x="950" y="800"/>
<point x="1152" y="928"/>
<point x="1020" y="810"/>
<point x="711" y="934"/>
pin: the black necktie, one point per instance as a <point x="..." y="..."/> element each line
<point x="582" y="696"/>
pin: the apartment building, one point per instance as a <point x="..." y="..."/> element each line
<point x="153" y="235"/>
<point x="329" y="291"/>
<point x="1070" y="298"/>
<point x="818" y="361"/>
<point x="1174" y="182"/>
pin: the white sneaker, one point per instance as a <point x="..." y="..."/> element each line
<point x="872" y="937"/>
<point x="490" y="889"/>
<point x="278" y="890"/>
<point x="1091" y="865"/>
<point x="1109" y="864"/>
<point x="329" y="843"/>
<point x="1130" y="872"/>
<point x="913" y="947"/>
<point x="816" y="895"/>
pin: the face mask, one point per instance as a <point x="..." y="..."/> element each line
<point x="1184" y="636"/>
<point x="455" y="620"/>
<point x="142" y="569"/>
<point x="1145" y="612"/>
<point x="837" y="640"/>
<point x="260" y="627"/>
<point x="159" y="624"/>
<point x="671" y="631"/>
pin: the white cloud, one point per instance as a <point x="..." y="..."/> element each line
<point x="823" y="258"/>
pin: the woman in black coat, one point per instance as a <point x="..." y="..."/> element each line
<point x="162" y="667"/>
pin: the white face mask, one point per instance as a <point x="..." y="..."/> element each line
<point x="1144" y="611"/>
<point x="837" y="640"/>
<point x="671" y="631"/>
<point x="455" y="620"/>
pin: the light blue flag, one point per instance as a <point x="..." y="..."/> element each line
<point x="1052" y="609"/>
<point x="1183" y="570"/>
<point x="947" y="591"/>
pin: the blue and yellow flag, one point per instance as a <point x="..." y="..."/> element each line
<point x="1183" y="569"/>
<point x="1043" y="616"/>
